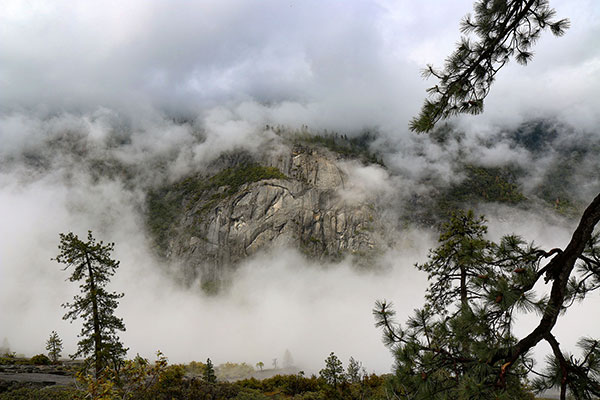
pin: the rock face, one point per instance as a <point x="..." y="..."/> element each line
<point x="216" y="226"/>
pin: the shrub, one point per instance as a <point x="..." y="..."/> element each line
<point x="40" y="359"/>
<point x="8" y="358"/>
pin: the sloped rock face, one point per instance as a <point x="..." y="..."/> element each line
<point x="220" y="227"/>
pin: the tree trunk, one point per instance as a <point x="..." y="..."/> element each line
<point x="558" y="271"/>
<point x="463" y="288"/>
<point x="95" y="319"/>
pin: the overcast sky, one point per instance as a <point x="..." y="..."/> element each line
<point x="343" y="64"/>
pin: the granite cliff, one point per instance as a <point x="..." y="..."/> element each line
<point x="207" y="223"/>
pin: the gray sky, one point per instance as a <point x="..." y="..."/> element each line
<point x="323" y="63"/>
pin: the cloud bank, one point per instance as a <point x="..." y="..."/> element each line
<point x="325" y="64"/>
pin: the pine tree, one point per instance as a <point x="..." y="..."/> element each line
<point x="93" y="266"/>
<point x="468" y="313"/>
<point x="54" y="346"/>
<point x="462" y="254"/>
<point x="355" y="371"/>
<point x="288" y="360"/>
<point x="333" y="373"/>
<point x="461" y="343"/>
<point x="209" y="372"/>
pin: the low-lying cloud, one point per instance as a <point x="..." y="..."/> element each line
<point x="278" y="300"/>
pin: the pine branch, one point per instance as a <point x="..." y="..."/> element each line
<point x="560" y="269"/>
<point x="507" y="30"/>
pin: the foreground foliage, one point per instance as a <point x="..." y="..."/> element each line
<point x="139" y="379"/>
<point x="465" y="337"/>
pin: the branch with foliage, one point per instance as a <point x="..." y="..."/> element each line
<point x="504" y="29"/>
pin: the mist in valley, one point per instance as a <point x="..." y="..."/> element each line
<point x="91" y="119"/>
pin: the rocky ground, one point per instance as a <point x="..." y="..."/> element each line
<point x="34" y="375"/>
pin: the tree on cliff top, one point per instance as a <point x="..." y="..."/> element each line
<point x="93" y="266"/>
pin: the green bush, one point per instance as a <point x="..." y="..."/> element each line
<point x="8" y="358"/>
<point x="195" y="368"/>
<point x="234" y="371"/>
<point x="40" y="359"/>
<point x="290" y="385"/>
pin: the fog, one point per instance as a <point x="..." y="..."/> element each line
<point x="161" y="89"/>
<point x="277" y="301"/>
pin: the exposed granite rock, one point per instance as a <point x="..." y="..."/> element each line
<point x="218" y="226"/>
<point x="35" y="375"/>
